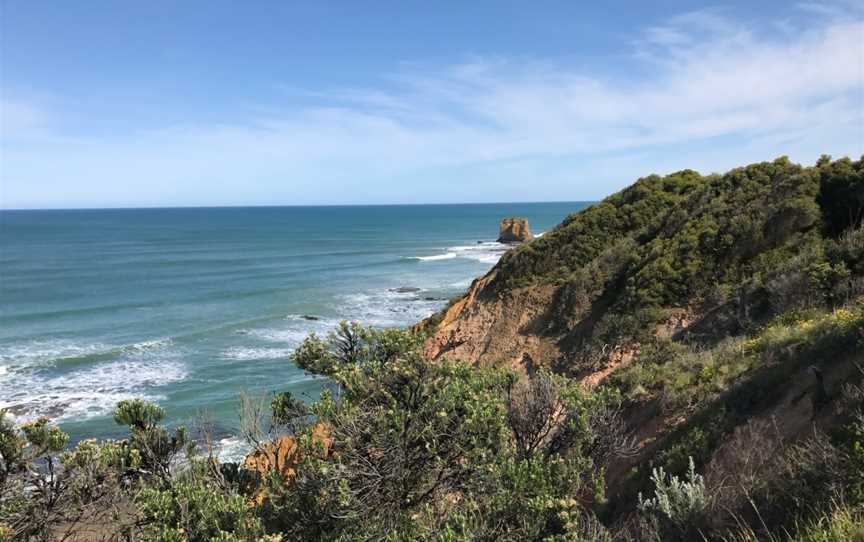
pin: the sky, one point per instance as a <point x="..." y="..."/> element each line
<point x="200" y="103"/>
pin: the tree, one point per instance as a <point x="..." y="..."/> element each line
<point x="841" y="193"/>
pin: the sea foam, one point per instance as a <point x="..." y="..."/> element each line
<point x="47" y="351"/>
<point x="242" y="353"/>
<point x="92" y="390"/>
<point x="447" y="256"/>
<point x="386" y="308"/>
<point x="488" y="252"/>
<point x="232" y="449"/>
<point x="55" y="352"/>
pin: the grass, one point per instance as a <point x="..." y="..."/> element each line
<point x="842" y="523"/>
<point x="685" y="377"/>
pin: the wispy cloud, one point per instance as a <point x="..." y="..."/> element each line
<point x="834" y="9"/>
<point x="702" y="76"/>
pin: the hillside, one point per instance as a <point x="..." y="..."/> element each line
<point x="723" y="308"/>
<point x="685" y="256"/>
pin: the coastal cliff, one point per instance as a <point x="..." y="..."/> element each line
<point x="712" y="329"/>
<point x="724" y="308"/>
<point x="685" y="257"/>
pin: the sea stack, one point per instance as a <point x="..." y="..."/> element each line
<point x="514" y="230"/>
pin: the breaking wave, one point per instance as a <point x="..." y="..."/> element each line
<point x="488" y="252"/>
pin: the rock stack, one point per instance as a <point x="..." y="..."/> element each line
<point x="514" y="230"/>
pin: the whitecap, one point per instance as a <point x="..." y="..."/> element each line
<point x="386" y="308"/>
<point x="485" y="252"/>
<point x="447" y="256"/>
<point x="488" y="252"/>
<point x="480" y="246"/>
<point x="232" y="449"/>
<point x="88" y="391"/>
<point x="144" y="346"/>
<point x="243" y="353"/>
<point x="43" y="351"/>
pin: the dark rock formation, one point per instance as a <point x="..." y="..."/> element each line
<point x="405" y="290"/>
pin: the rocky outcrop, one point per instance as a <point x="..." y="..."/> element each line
<point x="514" y="230"/>
<point x="281" y="455"/>
<point x="495" y="328"/>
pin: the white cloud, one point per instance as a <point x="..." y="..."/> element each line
<point x="703" y="76"/>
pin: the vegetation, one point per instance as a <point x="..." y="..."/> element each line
<point x="413" y="451"/>
<point x="747" y="423"/>
<point x="677" y="503"/>
<point x="730" y="250"/>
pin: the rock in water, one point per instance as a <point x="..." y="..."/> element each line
<point x="405" y="290"/>
<point x="514" y="230"/>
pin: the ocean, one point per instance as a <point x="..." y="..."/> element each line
<point x="189" y="307"/>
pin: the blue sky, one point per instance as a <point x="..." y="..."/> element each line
<point x="162" y="103"/>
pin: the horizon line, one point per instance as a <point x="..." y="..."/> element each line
<point x="253" y="206"/>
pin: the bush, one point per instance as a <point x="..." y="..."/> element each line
<point x="195" y="509"/>
<point x="47" y="492"/>
<point x="678" y="504"/>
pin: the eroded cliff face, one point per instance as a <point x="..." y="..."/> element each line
<point x="486" y="327"/>
<point x="529" y="328"/>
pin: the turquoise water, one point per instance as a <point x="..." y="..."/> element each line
<point x="187" y="307"/>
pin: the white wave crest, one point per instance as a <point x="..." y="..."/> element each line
<point x="447" y="256"/>
<point x="145" y="346"/>
<point x="485" y="252"/>
<point x="44" y="351"/>
<point x="243" y="353"/>
<point x="89" y="391"/>
<point x="232" y="449"/>
<point x="386" y="308"/>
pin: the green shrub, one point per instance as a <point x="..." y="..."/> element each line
<point x="46" y="491"/>
<point x="196" y="509"/>
<point x="677" y="503"/>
